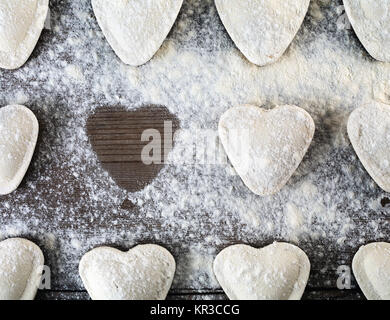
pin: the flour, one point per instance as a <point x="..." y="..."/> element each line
<point x="17" y="40"/>
<point x="18" y="137"/>
<point x="262" y="30"/>
<point x="198" y="74"/>
<point x="369" y="131"/>
<point x="143" y="273"/>
<point x="20" y="269"/>
<point x="370" y="20"/>
<point x="276" y="272"/>
<point x="266" y="146"/>
<point x="74" y="73"/>
<point x="371" y="268"/>
<point x="136" y="29"/>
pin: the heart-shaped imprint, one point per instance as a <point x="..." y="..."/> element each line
<point x="369" y="132"/>
<point x="371" y="23"/>
<point x="262" y="30"/>
<point x="143" y="273"/>
<point x="21" y="265"/>
<point x="266" y="147"/>
<point x="116" y="137"/>
<point x="18" y="137"/>
<point x="21" y="24"/>
<point x="371" y="267"/>
<point x="277" y="272"/>
<point x="136" y="29"/>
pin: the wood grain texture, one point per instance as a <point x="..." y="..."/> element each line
<point x="115" y="135"/>
<point x="309" y="294"/>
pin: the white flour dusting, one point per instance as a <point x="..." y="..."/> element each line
<point x="17" y="40"/>
<point x="370" y="20"/>
<point x="369" y="132"/>
<point x="136" y="29"/>
<point x="276" y="21"/>
<point x="329" y="207"/>
<point x="266" y="147"/>
<point x="105" y="273"/>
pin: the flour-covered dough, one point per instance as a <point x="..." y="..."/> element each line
<point x="21" y="265"/>
<point x="18" y="137"/>
<point x="369" y="132"/>
<point x="370" y="20"/>
<point x="136" y="29"/>
<point x="21" y="24"/>
<point x="261" y="29"/>
<point x="371" y="267"/>
<point x="143" y="273"/>
<point x="266" y="146"/>
<point x="277" y="272"/>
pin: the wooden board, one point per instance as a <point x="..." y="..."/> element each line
<point x="115" y="136"/>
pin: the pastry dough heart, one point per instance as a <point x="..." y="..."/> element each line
<point x="18" y="137"/>
<point x="277" y="272"/>
<point x="266" y="147"/>
<point x="371" y="267"/>
<point x="262" y="30"/>
<point x="136" y="29"/>
<point x="21" y="265"/>
<point x="21" y="24"/>
<point x="143" y="273"/>
<point x="369" y="132"/>
<point x="370" y="20"/>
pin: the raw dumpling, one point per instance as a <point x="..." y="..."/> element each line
<point x="136" y="29"/>
<point x="262" y="30"/>
<point x="266" y="146"/>
<point x="276" y="272"/>
<point x="370" y="20"/>
<point x="21" y="265"/>
<point x="18" y="137"/>
<point x="21" y="24"/>
<point x="143" y="273"/>
<point x="371" y="267"/>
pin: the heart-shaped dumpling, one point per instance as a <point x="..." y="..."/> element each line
<point x="136" y="29"/>
<point x="21" y="24"/>
<point x="18" y="137"/>
<point x="277" y="272"/>
<point x="143" y="273"/>
<point x="21" y="265"/>
<point x="262" y="30"/>
<point x="369" y="132"/>
<point x="371" y="267"/>
<point x="266" y="146"/>
<point x="371" y="23"/>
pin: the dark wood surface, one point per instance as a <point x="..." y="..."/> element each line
<point x="330" y="294"/>
<point x="115" y="136"/>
